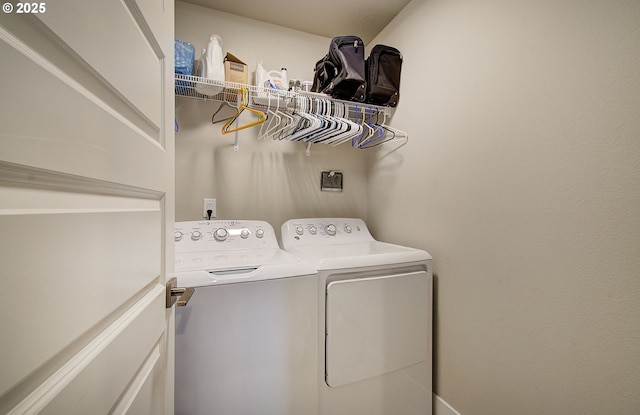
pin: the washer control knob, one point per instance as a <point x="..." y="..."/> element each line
<point x="177" y="236"/>
<point x="299" y="230"/>
<point x="260" y="233"/>
<point x="220" y="234"/>
<point x="330" y="229"/>
<point x="196" y="235"/>
<point x="313" y="230"/>
<point x="347" y="228"/>
<point x="244" y="234"/>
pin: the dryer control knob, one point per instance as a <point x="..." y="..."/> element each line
<point x="196" y="235"/>
<point x="244" y="234"/>
<point x="260" y="233"/>
<point x="299" y="230"/>
<point x="220" y="234"/>
<point x="313" y="230"/>
<point x="347" y="228"/>
<point x="330" y="229"/>
<point x="177" y="236"/>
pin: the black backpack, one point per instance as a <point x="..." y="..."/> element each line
<point x="341" y="72"/>
<point x="383" y="68"/>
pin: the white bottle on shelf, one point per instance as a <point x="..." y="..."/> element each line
<point x="277" y="79"/>
<point x="212" y="67"/>
<point x="260" y="75"/>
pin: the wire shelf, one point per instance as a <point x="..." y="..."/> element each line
<point x="222" y="91"/>
<point x="313" y="118"/>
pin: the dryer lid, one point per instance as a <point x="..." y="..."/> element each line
<point x="365" y="254"/>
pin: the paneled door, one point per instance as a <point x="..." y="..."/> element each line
<point x="86" y="207"/>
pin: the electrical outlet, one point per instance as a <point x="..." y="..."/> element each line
<point x="209" y="204"/>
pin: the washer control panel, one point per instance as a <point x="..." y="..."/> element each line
<point x="324" y="231"/>
<point x="215" y="235"/>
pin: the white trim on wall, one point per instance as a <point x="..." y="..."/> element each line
<point x="440" y="407"/>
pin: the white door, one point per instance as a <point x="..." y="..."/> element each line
<point x="86" y="207"/>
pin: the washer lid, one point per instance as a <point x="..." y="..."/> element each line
<point x="210" y="268"/>
<point x="364" y="254"/>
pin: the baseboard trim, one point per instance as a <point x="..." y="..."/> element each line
<point x="440" y="407"/>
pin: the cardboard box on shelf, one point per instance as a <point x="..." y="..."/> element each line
<point x="235" y="70"/>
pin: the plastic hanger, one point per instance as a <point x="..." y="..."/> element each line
<point x="393" y="135"/>
<point x="244" y="102"/>
<point x="346" y="130"/>
<point x="366" y="132"/>
<point x="322" y="124"/>
<point x="273" y="117"/>
<point x="376" y="133"/>
<point x="306" y="123"/>
<point x="283" y="130"/>
<point x="222" y="104"/>
<point x="288" y="126"/>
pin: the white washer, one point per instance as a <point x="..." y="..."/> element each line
<point x="375" y="310"/>
<point x="247" y="341"/>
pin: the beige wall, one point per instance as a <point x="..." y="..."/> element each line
<point x="266" y="180"/>
<point x="522" y="179"/>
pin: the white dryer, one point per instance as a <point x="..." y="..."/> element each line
<point x="375" y="311"/>
<point x="247" y="341"/>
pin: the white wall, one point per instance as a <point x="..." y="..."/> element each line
<point x="522" y="179"/>
<point x="265" y="180"/>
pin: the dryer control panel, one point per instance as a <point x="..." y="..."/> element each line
<point x="217" y="235"/>
<point x="324" y="231"/>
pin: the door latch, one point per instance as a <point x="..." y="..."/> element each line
<point x="174" y="291"/>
